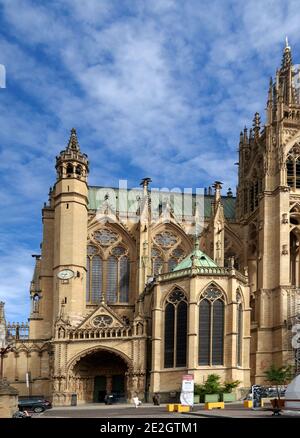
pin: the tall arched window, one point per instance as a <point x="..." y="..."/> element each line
<point x="239" y="328"/>
<point x="124" y="279"/>
<point x="112" y="280"/>
<point x="293" y="167"/>
<point x="211" y="327"/>
<point x="164" y="258"/>
<point x="107" y="276"/>
<point x="175" y="341"/>
<point x="94" y="275"/>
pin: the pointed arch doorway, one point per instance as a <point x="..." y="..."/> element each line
<point x="98" y="373"/>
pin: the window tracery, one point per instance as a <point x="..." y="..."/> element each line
<point x="165" y="239"/>
<point x="293" y="167"/>
<point x="175" y="338"/>
<point x="239" y="328"/>
<point x="108" y="268"/>
<point x="167" y="252"/>
<point x="211" y="327"/>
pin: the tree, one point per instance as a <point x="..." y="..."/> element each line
<point x="229" y="386"/>
<point x="278" y="376"/>
<point x="213" y="385"/>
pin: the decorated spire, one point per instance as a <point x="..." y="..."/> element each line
<point x="245" y="134"/>
<point x="73" y="142"/>
<point x="2" y="314"/>
<point x="287" y="55"/>
<point x="71" y="162"/>
<point x="217" y="186"/>
<point x="256" y="124"/>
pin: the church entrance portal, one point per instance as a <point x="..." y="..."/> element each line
<point x="97" y="374"/>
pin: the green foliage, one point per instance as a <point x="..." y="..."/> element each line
<point x="278" y="376"/>
<point x="214" y="386"/>
<point x="229" y="386"/>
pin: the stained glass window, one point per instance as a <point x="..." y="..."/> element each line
<point x="124" y="279"/>
<point x="96" y="288"/>
<point x="169" y="335"/>
<point x="204" y="332"/>
<point x="118" y="251"/>
<point x="165" y="239"/>
<point x="88" y="272"/>
<point x="108" y="274"/>
<point x="181" y="334"/>
<point x="91" y="250"/>
<point x="157" y="264"/>
<point x="218" y="332"/>
<point x="211" y="327"/>
<point x="178" y="253"/>
<point x="105" y="237"/>
<point x="239" y="324"/>
<point x="175" y="330"/>
<point x="111" y="279"/>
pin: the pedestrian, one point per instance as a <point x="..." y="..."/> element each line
<point x="136" y="401"/>
<point x="156" y="399"/>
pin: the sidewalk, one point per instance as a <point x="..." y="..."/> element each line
<point x="102" y="406"/>
<point x="237" y="410"/>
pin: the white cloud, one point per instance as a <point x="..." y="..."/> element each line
<point x="156" y="88"/>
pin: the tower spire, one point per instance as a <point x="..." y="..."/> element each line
<point x="71" y="162"/>
<point x="73" y="141"/>
<point x="287" y="55"/>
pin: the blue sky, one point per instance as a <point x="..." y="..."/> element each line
<point x="156" y="88"/>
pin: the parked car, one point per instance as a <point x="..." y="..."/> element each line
<point x="34" y="404"/>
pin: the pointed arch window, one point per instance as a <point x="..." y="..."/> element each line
<point x="69" y="169"/>
<point x="293" y="167"/>
<point x="157" y="261"/>
<point x="164" y="259"/>
<point x="94" y="279"/>
<point x="107" y="277"/>
<point x="211" y="327"/>
<point x="112" y="280"/>
<point x="124" y="279"/>
<point x="175" y="339"/>
<point x="239" y="328"/>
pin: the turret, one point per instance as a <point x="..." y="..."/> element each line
<point x="71" y="163"/>
<point x="70" y="198"/>
<point x="217" y="225"/>
<point x="144" y="237"/>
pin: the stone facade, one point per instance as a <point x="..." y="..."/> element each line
<point x="112" y="262"/>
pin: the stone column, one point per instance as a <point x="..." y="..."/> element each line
<point x="8" y="400"/>
<point x="192" y="350"/>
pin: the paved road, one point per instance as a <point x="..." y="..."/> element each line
<point x="232" y="410"/>
<point x="113" y="411"/>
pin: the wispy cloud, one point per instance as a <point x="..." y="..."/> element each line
<point x="158" y="89"/>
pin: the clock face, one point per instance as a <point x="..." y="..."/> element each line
<point x="65" y="274"/>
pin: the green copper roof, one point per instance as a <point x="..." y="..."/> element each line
<point x="127" y="200"/>
<point x="199" y="258"/>
<point x="228" y="205"/>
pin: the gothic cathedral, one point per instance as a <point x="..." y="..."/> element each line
<point x="129" y="294"/>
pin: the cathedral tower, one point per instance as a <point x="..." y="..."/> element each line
<point x="70" y="201"/>
<point x="269" y="213"/>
